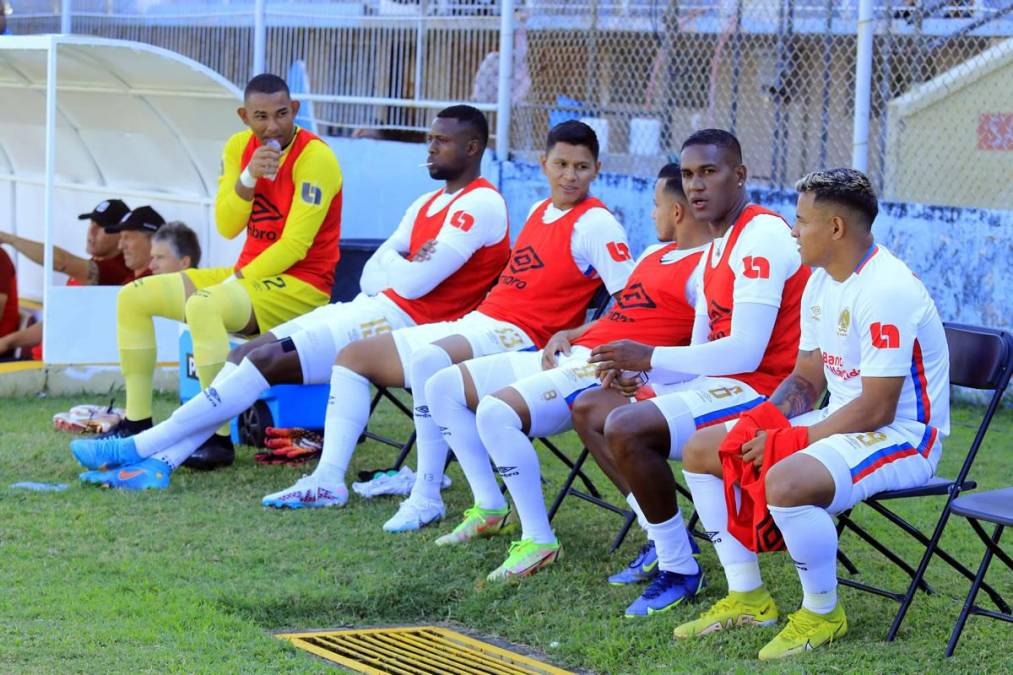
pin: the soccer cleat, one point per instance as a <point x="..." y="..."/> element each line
<point x="308" y="493"/>
<point x="126" y="428"/>
<point x="216" y="451"/>
<point x="755" y="608"/>
<point x="104" y="453"/>
<point x="147" y="474"/>
<point x="806" y="630"/>
<point x="477" y="523"/>
<point x="667" y="590"/>
<point x="525" y="558"/>
<point x="642" y="568"/>
<point x="414" y="514"/>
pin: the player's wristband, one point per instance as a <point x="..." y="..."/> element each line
<point x="247" y="179"/>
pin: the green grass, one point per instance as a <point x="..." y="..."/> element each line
<point x="194" y="579"/>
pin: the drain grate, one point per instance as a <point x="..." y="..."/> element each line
<point x="416" y="651"/>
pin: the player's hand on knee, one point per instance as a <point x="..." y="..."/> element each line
<point x="557" y="344"/>
<point x="752" y="451"/>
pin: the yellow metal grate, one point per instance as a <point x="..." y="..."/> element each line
<point x="426" y="650"/>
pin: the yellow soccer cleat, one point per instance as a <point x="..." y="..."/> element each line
<point x="755" y="608"/>
<point x="806" y="630"/>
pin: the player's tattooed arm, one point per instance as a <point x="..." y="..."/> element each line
<point x="93" y="274"/>
<point x="800" y="390"/>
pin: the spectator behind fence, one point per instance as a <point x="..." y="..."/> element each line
<point x="114" y="228"/>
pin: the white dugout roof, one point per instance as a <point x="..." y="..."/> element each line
<point x="85" y="119"/>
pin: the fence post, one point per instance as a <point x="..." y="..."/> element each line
<point x="506" y="70"/>
<point x="259" y="38"/>
<point x="863" y="87"/>
<point x="65" y="16"/>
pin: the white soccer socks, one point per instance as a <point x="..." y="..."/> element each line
<point x="233" y="390"/>
<point x="430" y="446"/>
<point x="811" y="539"/>
<point x="742" y="570"/>
<point x="346" y="417"/>
<point x="499" y="427"/>
<point x="671" y="541"/>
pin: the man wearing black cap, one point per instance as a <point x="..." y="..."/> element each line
<point x="135" y="230"/>
<point x="105" y="266"/>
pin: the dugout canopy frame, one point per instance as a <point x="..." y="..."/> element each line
<point x="86" y="119"/>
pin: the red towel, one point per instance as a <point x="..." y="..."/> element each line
<point x="751" y="523"/>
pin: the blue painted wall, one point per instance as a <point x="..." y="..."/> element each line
<point x="964" y="256"/>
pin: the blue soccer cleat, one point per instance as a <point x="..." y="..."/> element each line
<point x="105" y="453"/>
<point x="667" y="590"/>
<point x="148" y="474"/>
<point x="642" y="568"/>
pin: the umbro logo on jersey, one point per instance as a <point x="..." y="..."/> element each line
<point x="525" y="259"/>
<point x="635" y="297"/>
<point x="815" y="312"/>
<point x="263" y="210"/>
<point x="507" y="470"/>
<point x="422" y="411"/>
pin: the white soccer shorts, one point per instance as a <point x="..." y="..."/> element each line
<point x="895" y="457"/>
<point x="485" y="335"/>
<point x="320" y="335"/>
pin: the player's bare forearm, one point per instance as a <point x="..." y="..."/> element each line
<point x="874" y="408"/>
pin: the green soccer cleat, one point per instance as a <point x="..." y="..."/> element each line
<point x="525" y="558"/>
<point x="477" y="523"/>
<point x="806" y="630"/>
<point x="755" y="608"/>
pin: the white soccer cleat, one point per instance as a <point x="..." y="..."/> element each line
<point x="414" y="514"/>
<point x="308" y="492"/>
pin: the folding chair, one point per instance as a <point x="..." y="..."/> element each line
<point x="980" y="358"/>
<point x="993" y="506"/>
<point x="590" y="494"/>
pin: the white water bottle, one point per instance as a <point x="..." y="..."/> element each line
<point x="272" y="143"/>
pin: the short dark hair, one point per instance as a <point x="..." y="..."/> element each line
<point x="181" y="238"/>
<point x="719" y="137"/>
<point x="848" y="187"/>
<point x="473" y="117"/>
<point x="573" y="132"/>
<point x="671" y="173"/>
<point x="266" y="83"/>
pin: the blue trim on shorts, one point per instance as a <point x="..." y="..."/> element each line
<point x="728" y="412"/>
<point x="573" y="397"/>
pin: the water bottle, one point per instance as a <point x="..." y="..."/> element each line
<point x="272" y="143"/>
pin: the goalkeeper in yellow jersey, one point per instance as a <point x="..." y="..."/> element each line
<point x="282" y="185"/>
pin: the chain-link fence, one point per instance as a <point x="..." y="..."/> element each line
<point x="643" y="73"/>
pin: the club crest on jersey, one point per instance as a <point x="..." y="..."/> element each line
<point x="311" y="194"/>
<point x="843" y="322"/>
<point x="525" y="259"/>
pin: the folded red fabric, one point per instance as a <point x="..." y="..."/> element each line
<point x="749" y="521"/>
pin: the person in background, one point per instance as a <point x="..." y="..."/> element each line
<point x="174" y="248"/>
<point x="104" y="266"/>
<point x="9" y="316"/>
